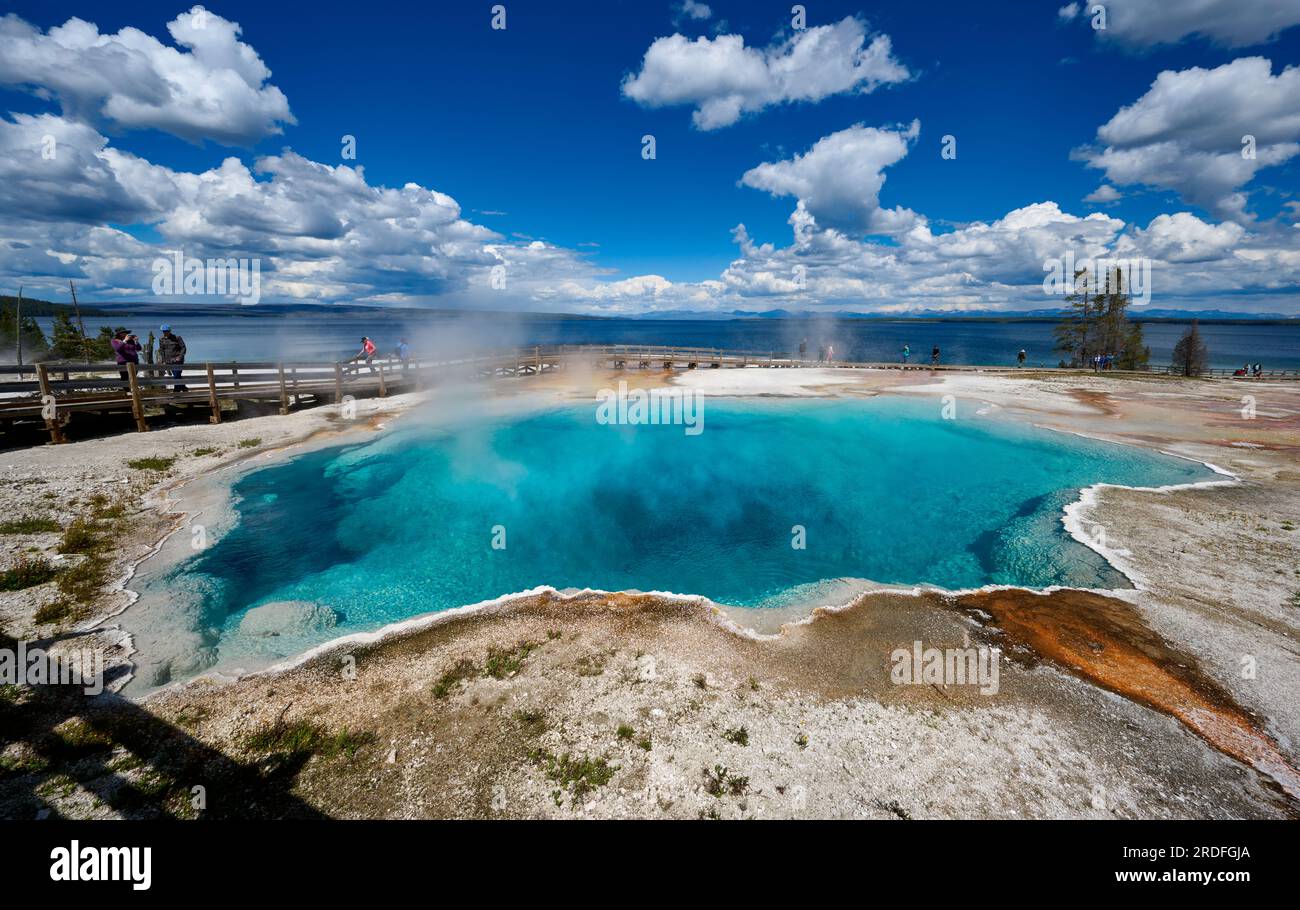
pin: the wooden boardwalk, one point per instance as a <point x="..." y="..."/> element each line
<point x="53" y="394"/>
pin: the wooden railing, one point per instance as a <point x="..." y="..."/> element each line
<point x="54" y="391"/>
<point x="1221" y="373"/>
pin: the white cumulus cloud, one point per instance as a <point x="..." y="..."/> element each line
<point x="689" y="9"/>
<point x="1233" y="23"/>
<point x="1104" y="195"/>
<point x="838" y="180"/>
<point x="212" y="87"/>
<point x="323" y="232"/>
<point x="1182" y="237"/>
<point x="723" y="79"/>
<point x="1189" y="133"/>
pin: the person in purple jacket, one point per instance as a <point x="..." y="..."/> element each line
<point x="126" y="349"/>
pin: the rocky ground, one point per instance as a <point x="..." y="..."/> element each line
<point x="1168" y="701"/>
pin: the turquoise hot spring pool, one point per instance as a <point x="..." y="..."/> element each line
<point x="438" y="515"/>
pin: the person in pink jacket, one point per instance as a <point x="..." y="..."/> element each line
<point x="367" y="353"/>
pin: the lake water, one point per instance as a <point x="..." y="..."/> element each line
<point x="330" y="337"/>
<point x="883" y="489"/>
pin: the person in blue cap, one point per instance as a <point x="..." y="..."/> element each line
<point x="171" y="348"/>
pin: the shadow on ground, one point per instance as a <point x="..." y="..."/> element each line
<point x="104" y="755"/>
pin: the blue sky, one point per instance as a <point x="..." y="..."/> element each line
<point x="527" y="128"/>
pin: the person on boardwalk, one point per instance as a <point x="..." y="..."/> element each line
<point x="934" y="354"/>
<point x="403" y="353"/>
<point x="1020" y="358"/>
<point x="171" y="348"/>
<point x="830" y="352"/>
<point x="907" y="352"/>
<point x="1259" y="370"/>
<point x="126" y="349"/>
<point x="803" y="349"/>
<point x="367" y="352"/>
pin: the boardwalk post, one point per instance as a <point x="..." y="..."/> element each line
<point x="51" y="422"/>
<point x="383" y="390"/>
<point x="212" y="397"/>
<point x="284" y="395"/>
<point x="338" y="382"/>
<point x="234" y="373"/>
<point x="137" y="406"/>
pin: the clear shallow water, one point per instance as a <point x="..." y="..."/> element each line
<point x="885" y="488"/>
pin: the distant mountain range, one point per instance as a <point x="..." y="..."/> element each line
<point x="1137" y="313"/>
<point x="155" y="310"/>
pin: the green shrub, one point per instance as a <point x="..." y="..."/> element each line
<point x="305" y="737"/>
<point x="80" y="536"/>
<point x="739" y="736"/>
<point x="720" y="781"/>
<point x="153" y="463"/>
<point x="464" y="669"/>
<point x="506" y="662"/>
<point x="83" y="582"/>
<point x="30" y="526"/>
<point x="100" y="508"/>
<point x="55" y="612"/>
<point x="27" y="572"/>
<point x="578" y="775"/>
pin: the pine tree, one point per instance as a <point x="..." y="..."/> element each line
<point x="68" y="344"/>
<point x="1101" y="326"/>
<point x="1124" y="337"/>
<point x="34" y="344"/>
<point x="101" y="347"/>
<point x="1112" y="317"/>
<point x="1191" y="356"/>
<point x="1073" y="331"/>
<point x="66" y="339"/>
<point x="1134" y="353"/>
